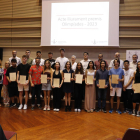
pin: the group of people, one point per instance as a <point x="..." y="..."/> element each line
<point x="128" y="74"/>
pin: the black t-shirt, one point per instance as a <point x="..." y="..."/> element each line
<point x="11" y="70"/>
<point x="52" y="61"/>
<point x="23" y="70"/>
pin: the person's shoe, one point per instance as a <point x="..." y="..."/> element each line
<point x="32" y="108"/>
<point x="11" y="105"/>
<point x="79" y="110"/>
<point x="54" y="109"/>
<point x="75" y="110"/>
<point x="48" y="108"/>
<point x="66" y="108"/>
<point x="98" y="110"/>
<point x="20" y="107"/>
<point x="125" y="110"/>
<point x="57" y="110"/>
<point x="14" y="104"/>
<point x="130" y="112"/>
<point x="41" y="96"/>
<point x="69" y="108"/>
<point x="39" y="107"/>
<point x="138" y="113"/>
<point x="118" y="111"/>
<point x="111" y="111"/>
<point x="25" y="107"/>
<point x="88" y="111"/>
<point x="91" y="110"/>
<point x="104" y="110"/>
<point x="134" y="112"/>
<point x="51" y="96"/>
<point x="30" y="96"/>
<point x="45" y="108"/>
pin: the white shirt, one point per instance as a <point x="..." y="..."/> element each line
<point x="127" y="75"/>
<point x="62" y="62"/>
<point x="111" y="65"/>
<point x="85" y="64"/>
<point x="74" y="66"/>
<point x="133" y="66"/>
<point x="41" y="62"/>
<point x="17" y="58"/>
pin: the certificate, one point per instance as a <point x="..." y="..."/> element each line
<point x="67" y="77"/>
<point x="79" y="78"/>
<point x="90" y="79"/>
<point x="102" y="83"/>
<point x="22" y="79"/>
<point x="137" y="88"/>
<point x="115" y="79"/>
<point x="13" y="76"/>
<point x="56" y="82"/>
<point x="43" y="78"/>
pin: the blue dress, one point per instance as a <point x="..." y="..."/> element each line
<point x="68" y="87"/>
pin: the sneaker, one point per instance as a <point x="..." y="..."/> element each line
<point x="125" y="110"/>
<point x="134" y="112"/>
<point x="30" y="96"/>
<point x="41" y="96"/>
<point x="20" y="107"/>
<point x="57" y="110"/>
<point x="11" y="105"/>
<point x="130" y="112"/>
<point x="118" y="111"/>
<point x="104" y="110"/>
<point x="79" y="110"/>
<point x="45" y="108"/>
<point x="32" y="108"/>
<point x="138" y="113"/>
<point x="51" y="96"/>
<point x="39" y="107"/>
<point x="25" y="107"/>
<point x="14" y="104"/>
<point x="54" y="109"/>
<point x="48" y="108"/>
<point x="75" y="110"/>
<point x="91" y="110"/>
<point x="111" y="111"/>
<point x="98" y="110"/>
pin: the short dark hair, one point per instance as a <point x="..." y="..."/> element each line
<point x="38" y="52"/>
<point x="89" y="66"/>
<point x="28" y="50"/>
<point x="126" y="61"/>
<point x="37" y="58"/>
<point x="50" y="53"/>
<point x="101" y="63"/>
<point x="101" y="54"/>
<point x="117" y="61"/>
<point x="14" y="60"/>
<point x="24" y="56"/>
<point x="86" y="53"/>
<point x="62" y="49"/>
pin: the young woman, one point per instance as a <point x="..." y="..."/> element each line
<point x="46" y="87"/>
<point x="1" y="79"/>
<point x="6" y="98"/>
<point x="78" y="88"/>
<point x="90" y="90"/>
<point x="68" y="87"/>
<point x="136" y="96"/>
<point x="56" y="73"/>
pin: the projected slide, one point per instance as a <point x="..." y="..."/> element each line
<point x="80" y="23"/>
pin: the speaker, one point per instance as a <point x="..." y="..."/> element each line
<point x="1" y="53"/>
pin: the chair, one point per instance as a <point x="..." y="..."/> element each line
<point x="131" y="134"/>
<point x="6" y="135"/>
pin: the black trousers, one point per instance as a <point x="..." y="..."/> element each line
<point x="57" y="97"/>
<point x="127" y="97"/>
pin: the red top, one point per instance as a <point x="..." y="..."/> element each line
<point x="36" y="74"/>
<point x="5" y="81"/>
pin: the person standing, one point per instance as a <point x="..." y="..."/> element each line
<point x="102" y="74"/>
<point x="29" y="59"/>
<point x="116" y="87"/>
<point x="5" y="85"/>
<point x="73" y="60"/>
<point x="133" y="65"/>
<point x="23" y="70"/>
<point x="68" y="87"/>
<point x="62" y="59"/>
<point x="12" y="85"/>
<point x="90" y="90"/>
<point x="57" y="73"/>
<point x="52" y="61"/>
<point x="127" y="87"/>
<point x="14" y="56"/>
<point x="35" y="80"/>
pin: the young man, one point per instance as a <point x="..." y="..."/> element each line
<point x="117" y="56"/>
<point x="12" y="86"/>
<point x="14" y="56"/>
<point x="116" y="87"/>
<point x="133" y="65"/>
<point x="62" y="59"/>
<point x="22" y="70"/>
<point x="39" y="55"/>
<point x="102" y="73"/>
<point x="85" y="61"/>
<point x="35" y="80"/>
<point x="97" y="62"/>
<point x="29" y="59"/>
<point x="127" y="87"/>
<point x="52" y="61"/>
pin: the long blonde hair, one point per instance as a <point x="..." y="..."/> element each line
<point x="5" y="64"/>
